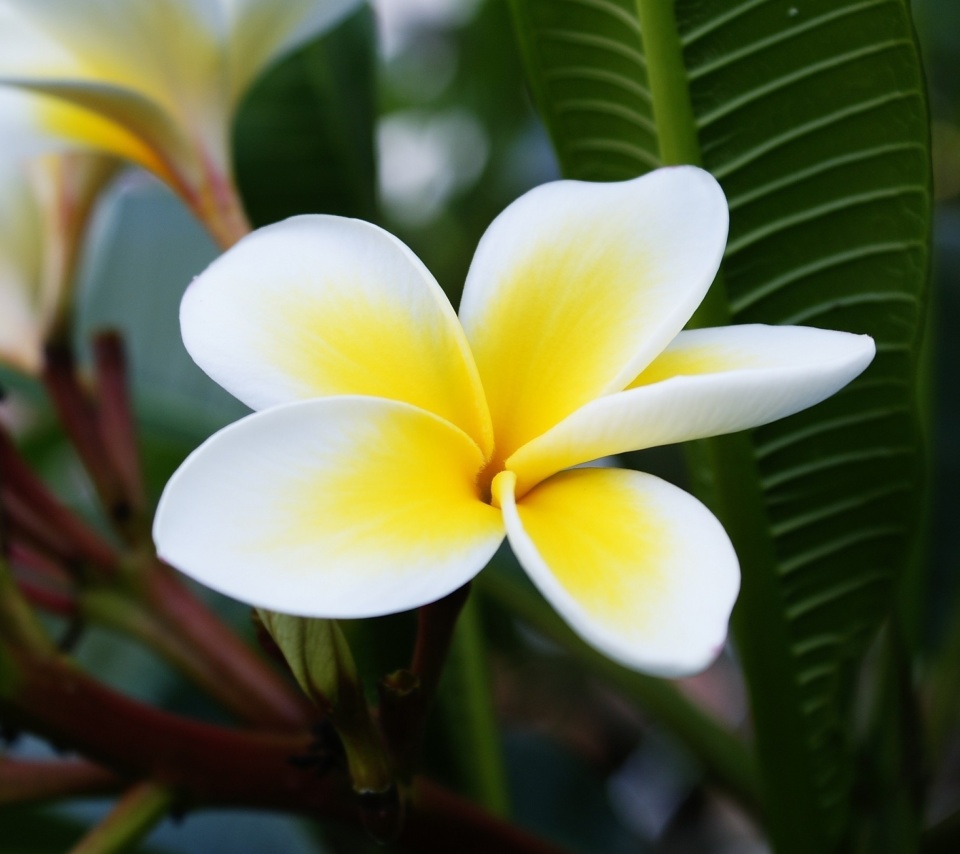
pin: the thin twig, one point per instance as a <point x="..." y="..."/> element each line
<point x="79" y="419"/>
<point x="32" y="782"/>
<point x="49" y="516"/>
<point x="115" y="417"/>
<point x="270" y="700"/>
<point x="135" y="815"/>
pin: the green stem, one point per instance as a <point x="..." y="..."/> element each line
<point x="944" y="688"/>
<point x="137" y="813"/>
<point x="18" y="623"/>
<point x="792" y="810"/>
<point x="725" y="759"/>
<point x="673" y="114"/>
<point x="485" y="774"/>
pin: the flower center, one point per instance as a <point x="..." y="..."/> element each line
<point x="485" y="477"/>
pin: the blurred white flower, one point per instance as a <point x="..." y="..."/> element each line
<point x="154" y="81"/>
<point x="45" y="204"/>
<point x="425" y="159"/>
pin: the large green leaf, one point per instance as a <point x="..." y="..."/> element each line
<point x="304" y="135"/>
<point x="812" y="115"/>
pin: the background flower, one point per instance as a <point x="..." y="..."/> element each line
<point x="45" y="205"/>
<point x="154" y="81"/>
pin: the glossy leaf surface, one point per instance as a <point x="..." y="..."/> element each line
<point x="812" y="116"/>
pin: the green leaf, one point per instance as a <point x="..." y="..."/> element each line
<point x="812" y="115"/>
<point x="304" y="135"/>
<point x="318" y="655"/>
<point x="466" y="699"/>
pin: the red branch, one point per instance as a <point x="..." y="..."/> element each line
<point x="79" y="418"/>
<point x="28" y="782"/>
<point x="210" y="765"/>
<point x="268" y="699"/>
<point x="115" y="416"/>
<point x="34" y="508"/>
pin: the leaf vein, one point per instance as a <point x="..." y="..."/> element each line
<point x="832" y="594"/>
<point x="786" y="222"/>
<point x="733" y="165"/>
<point x="600" y="42"/>
<point x="774" y="86"/>
<point x="838" y="259"/>
<point x="783" y="36"/>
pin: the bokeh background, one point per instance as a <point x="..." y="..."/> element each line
<point x="449" y="141"/>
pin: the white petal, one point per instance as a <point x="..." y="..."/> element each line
<point x="162" y="49"/>
<point x="575" y="287"/>
<point x="321" y="305"/>
<point x="706" y="383"/>
<point x="341" y="507"/>
<point x="151" y="70"/>
<point x="638" y="568"/>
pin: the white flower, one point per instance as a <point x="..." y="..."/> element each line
<point x="396" y="446"/>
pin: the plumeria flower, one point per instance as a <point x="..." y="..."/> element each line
<point x="45" y="204"/>
<point x="154" y="81"/>
<point x="396" y="446"/>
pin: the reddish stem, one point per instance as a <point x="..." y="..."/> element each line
<point x="41" y="580"/>
<point x="51" y="522"/>
<point x="272" y="701"/>
<point x="78" y="416"/>
<point x="45" y="598"/>
<point x="37" y="518"/>
<point x="38" y="563"/>
<point x="29" y="782"/>
<point x="116" y="422"/>
<point x="437" y="622"/>
<point x="22" y="526"/>
<point x="210" y="765"/>
<point x="441" y="822"/>
<point x="406" y="696"/>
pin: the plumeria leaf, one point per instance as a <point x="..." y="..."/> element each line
<point x="303" y="138"/>
<point x="813" y="118"/>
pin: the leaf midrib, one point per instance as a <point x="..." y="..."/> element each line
<point x="793" y="813"/>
